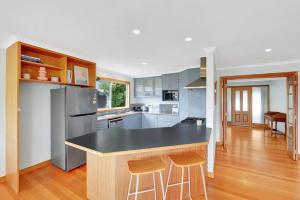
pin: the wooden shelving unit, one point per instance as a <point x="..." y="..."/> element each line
<point x="56" y="64"/>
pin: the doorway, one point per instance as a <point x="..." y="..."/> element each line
<point x="241" y="106"/>
<point x="241" y="109"/>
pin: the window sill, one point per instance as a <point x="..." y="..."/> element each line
<point x="111" y="109"/>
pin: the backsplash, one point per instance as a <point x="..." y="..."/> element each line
<point x="161" y="108"/>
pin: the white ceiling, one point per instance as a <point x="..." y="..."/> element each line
<point x="102" y="30"/>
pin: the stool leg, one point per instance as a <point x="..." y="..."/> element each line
<point x="182" y="174"/>
<point x="137" y="186"/>
<point x="162" y="184"/>
<point x="129" y="186"/>
<point x="154" y="186"/>
<point x="203" y="179"/>
<point x="189" y="173"/>
<point x="165" y="196"/>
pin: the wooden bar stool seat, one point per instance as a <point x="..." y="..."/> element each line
<point x="142" y="167"/>
<point x="146" y="166"/>
<point x="188" y="159"/>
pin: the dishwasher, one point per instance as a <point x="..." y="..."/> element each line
<point x="115" y="122"/>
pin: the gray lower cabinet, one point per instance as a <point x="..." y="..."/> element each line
<point x="133" y="121"/>
<point x="143" y="120"/>
<point x="102" y="125"/>
<point x="167" y="120"/>
<point x="149" y="120"/>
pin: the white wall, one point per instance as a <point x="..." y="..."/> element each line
<point x="2" y="112"/>
<point x="278" y="98"/>
<point x="35" y="123"/>
<point x="254" y="69"/>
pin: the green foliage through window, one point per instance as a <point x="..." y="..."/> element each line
<point x="118" y="95"/>
<point x="111" y="95"/>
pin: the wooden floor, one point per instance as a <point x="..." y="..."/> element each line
<point x="255" y="166"/>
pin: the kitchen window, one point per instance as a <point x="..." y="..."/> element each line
<point x="112" y="94"/>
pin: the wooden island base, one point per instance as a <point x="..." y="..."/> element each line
<point x="108" y="176"/>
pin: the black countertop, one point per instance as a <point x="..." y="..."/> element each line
<point x="116" y="140"/>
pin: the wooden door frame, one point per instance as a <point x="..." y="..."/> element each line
<point x="267" y="86"/>
<point x="223" y="98"/>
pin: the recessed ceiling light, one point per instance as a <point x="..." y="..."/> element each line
<point x="136" y="31"/>
<point x="268" y="50"/>
<point x="144" y="63"/>
<point x="188" y="39"/>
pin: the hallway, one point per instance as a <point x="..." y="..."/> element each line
<point x="255" y="166"/>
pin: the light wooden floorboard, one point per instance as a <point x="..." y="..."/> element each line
<point x="254" y="166"/>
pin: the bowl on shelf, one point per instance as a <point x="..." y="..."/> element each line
<point x="26" y="76"/>
<point x="54" y="79"/>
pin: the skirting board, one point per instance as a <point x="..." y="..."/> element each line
<point x="35" y="167"/>
<point x="210" y="175"/>
<point x="30" y="169"/>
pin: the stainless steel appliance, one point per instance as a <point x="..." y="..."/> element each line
<point x="200" y="83"/>
<point x="170" y="95"/>
<point x="194" y="120"/>
<point x="73" y="114"/>
<point x="115" y="122"/>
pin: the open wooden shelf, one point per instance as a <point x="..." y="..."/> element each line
<point x="52" y="82"/>
<point x="25" y="62"/>
<point x="40" y="81"/>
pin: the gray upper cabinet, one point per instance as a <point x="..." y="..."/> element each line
<point x="148" y="87"/>
<point x="170" y="81"/>
<point x="153" y="86"/>
<point x="139" y="87"/>
<point x="133" y="121"/>
<point x="157" y="86"/>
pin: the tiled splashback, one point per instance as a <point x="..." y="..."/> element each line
<point x="169" y="108"/>
<point x="162" y="108"/>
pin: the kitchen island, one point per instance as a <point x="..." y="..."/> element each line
<point x="108" y="152"/>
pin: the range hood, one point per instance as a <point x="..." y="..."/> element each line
<point x="200" y="83"/>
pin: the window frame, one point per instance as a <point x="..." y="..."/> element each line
<point x="128" y="99"/>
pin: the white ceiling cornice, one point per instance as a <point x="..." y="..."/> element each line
<point x="283" y="63"/>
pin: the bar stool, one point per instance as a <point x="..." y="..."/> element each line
<point x="183" y="160"/>
<point x="142" y="167"/>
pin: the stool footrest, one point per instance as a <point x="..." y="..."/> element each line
<point x="143" y="191"/>
<point x="174" y="184"/>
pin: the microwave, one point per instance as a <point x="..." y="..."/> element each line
<point x="170" y="95"/>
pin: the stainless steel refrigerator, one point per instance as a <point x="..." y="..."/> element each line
<point x="73" y="114"/>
